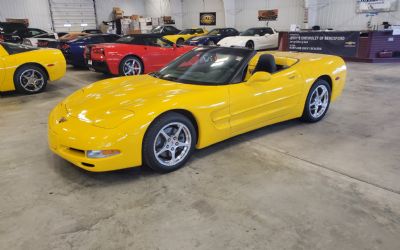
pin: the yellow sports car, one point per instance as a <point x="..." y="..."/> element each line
<point x="205" y="96"/>
<point x="185" y="34"/>
<point x="27" y="69"/>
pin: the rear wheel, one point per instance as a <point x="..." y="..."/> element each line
<point x="130" y="65"/>
<point x="317" y="102"/>
<point x="180" y="41"/>
<point x="169" y="142"/>
<point x="30" y="79"/>
<point x="250" y="45"/>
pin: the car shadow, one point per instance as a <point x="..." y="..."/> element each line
<point x="86" y="178"/>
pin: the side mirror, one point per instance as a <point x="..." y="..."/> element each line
<point x="259" y="77"/>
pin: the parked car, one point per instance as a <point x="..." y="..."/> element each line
<point x="27" y="69"/>
<point x="185" y="34"/>
<point x="33" y="41"/>
<point x="205" y="96"/>
<point x="165" y="30"/>
<point x="92" y="31"/>
<point x="8" y="28"/>
<point x="254" y="38"/>
<point x="57" y="43"/>
<point x="212" y="37"/>
<point x="73" y="50"/>
<point x="18" y="35"/>
<point x="132" y="55"/>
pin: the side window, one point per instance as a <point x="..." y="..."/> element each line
<point x="199" y="31"/>
<point x="96" y="39"/>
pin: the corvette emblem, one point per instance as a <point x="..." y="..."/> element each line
<point x="62" y="119"/>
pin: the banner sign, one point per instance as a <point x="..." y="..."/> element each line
<point x="208" y="18"/>
<point x="375" y="6"/>
<point x="332" y="43"/>
<point x="267" y="15"/>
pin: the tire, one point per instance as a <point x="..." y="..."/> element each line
<point x="315" y="108"/>
<point x="30" y="79"/>
<point x="210" y="43"/>
<point x="125" y="68"/>
<point x="159" y="147"/>
<point x="180" y="41"/>
<point x="250" y="45"/>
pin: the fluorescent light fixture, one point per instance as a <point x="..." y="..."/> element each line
<point x="83" y="24"/>
<point x="67" y="25"/>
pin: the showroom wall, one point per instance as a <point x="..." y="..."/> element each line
<point x="337" y="14"/>
<point x="290" y="12"/>
<point x="191" y="10"/>
<point x="36" y="11"/>
<point x="157" y="8"/>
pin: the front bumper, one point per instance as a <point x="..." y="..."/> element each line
<point x="72" y="138"/>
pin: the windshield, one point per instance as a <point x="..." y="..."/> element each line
<point x="214" y="32"/>
<point x="205" y="66"/>
<point x="187" y="32"/>
<point x="260" y="32"/>
<point x="12" y="48"/>
<point x="157" y="29"/>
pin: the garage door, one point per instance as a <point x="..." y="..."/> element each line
<point x="72" y="15"/>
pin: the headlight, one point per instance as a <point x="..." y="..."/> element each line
<point x="101" y="153"/>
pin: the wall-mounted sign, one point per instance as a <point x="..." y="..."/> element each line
<point x="208" y="18"/>
<point x="267" y="15"/>
<point x="375" y="6"/>
<point x="334" y="43"/>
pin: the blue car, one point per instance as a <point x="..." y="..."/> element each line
<point x="212" y="37"/>
<point x="73" y="50"/>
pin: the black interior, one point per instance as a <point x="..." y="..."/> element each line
<point x="266" y="63"/>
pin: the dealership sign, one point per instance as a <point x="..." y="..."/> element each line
<point x="333" y="43"/>
<point x="208" y="18"/>
<point x="374" y="6"/>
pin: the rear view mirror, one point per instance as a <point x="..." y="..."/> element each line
<point x="259" y="77"/>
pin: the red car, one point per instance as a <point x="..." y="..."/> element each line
<point x="132" y="55"/>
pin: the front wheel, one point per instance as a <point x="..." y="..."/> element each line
<point x="169" y="142"/>
<point x="317" y="102"/>
<point x="130" y="65"/>
<point x="30" y="79"/>
<point x="210" y="43"/>
<point x="250" y="45"/>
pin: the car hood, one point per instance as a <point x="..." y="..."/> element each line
<point x="119" y="98"/>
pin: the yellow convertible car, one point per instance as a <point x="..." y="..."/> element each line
<point x="185" y="34"/>
<point x="205" y="96"/>
<point x="27" y="69"/>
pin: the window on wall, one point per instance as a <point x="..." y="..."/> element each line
<point x="72" y="15"/>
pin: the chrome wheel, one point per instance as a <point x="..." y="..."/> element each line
<point x="319" y="101"/>
<point x="132" y="66"/>
<point x="32" y="80"/>
<point x="172" y="144"/>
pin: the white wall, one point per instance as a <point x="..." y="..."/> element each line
<point x="37" y="11"/>
<point x="158" y="8"/>
<point x="290" y="12"/>
<point x="191" y="12"/>
<point x="130" y="7"/>
<point x="341" y="15"/>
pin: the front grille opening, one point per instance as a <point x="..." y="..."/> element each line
<point x="87" y="164"/>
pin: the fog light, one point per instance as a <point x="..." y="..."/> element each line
<point x="101" y="153"/>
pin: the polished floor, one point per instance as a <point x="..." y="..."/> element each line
<point x="330" y="185"/>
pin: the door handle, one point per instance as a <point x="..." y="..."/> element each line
<point x="291" y="77"/>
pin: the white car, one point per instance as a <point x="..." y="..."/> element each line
<point x="33" y="41"/>
<point x="254" y="38"/>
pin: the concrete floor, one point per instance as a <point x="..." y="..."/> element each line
<point x="330" y="185"/>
